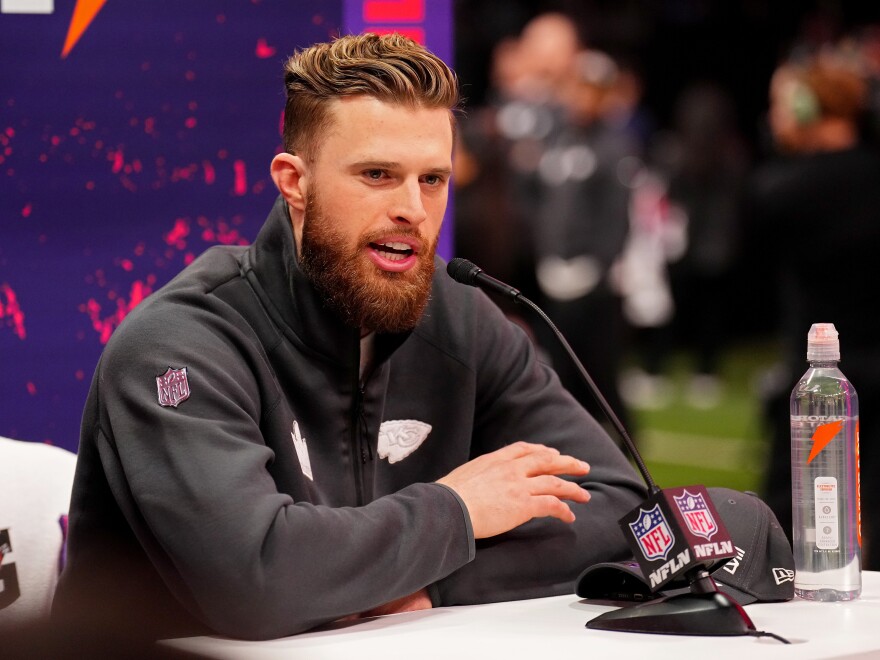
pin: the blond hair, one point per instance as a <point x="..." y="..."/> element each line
<point x="391" y="68"/>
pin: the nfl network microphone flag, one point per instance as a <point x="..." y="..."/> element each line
<point x="674" y="530"/>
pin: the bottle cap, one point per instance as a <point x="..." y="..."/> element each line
<point x="822" y="343"/>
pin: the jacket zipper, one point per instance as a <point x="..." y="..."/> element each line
<point x="364" y="435"/>
<point x="363" y="449"/>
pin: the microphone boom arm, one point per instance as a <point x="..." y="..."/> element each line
<point x="467" y="272"/>
<point x="597" y="394"/>
<point x="703" y="610"/>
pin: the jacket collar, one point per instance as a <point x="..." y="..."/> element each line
<point x="294" y="304"/>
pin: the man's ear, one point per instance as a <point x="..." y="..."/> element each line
<point x="289" y="174"/>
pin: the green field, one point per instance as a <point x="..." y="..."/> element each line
<point x="722" y="445"/>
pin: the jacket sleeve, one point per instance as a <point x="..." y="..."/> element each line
<point x="519" y="398"/>
<point x="193" y="485"/>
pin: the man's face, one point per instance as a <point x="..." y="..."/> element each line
<point x="375" y="197"/>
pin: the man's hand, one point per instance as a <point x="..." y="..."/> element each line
<point x="420" y="600"/>
<point x="510" y="486"/>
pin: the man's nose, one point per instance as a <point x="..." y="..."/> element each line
<point x="408" y="206"/>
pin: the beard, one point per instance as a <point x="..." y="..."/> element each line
<point x="363" y="295"/>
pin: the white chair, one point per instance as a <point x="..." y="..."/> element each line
<point x="35" y="485"/>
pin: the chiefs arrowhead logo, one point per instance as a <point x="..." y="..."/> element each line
<point x="399" y="438"/>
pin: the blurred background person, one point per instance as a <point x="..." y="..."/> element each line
<point x="492" y="197"/>
<point x="816" y="232"/>
<point x="706" y="163"/>
<point x="501" y="143"/>
<point x="657" y="237"/>
<point x="581" y="227"/>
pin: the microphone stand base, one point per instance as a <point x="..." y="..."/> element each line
<point x="711" y="613"/>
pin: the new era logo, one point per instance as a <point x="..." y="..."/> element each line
<point x="783" y="575"/>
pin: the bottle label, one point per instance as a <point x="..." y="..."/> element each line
<point x="827" y="537"/>
<point x="858" y="490"/>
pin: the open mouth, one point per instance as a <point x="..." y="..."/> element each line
<point x="393" y="250"/>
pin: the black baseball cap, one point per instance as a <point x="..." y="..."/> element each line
<point x="761" y="571"/>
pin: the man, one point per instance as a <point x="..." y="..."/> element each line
<point x="318" y="426"/>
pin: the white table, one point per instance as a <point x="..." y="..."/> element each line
<point x="553" y="628"/>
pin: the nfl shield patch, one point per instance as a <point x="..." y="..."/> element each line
<point x="652" y="533"/>
<point x="173" y="387"/>
<point x="696" y="514"/>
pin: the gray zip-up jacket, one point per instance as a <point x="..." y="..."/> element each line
<point x="265" y="490"/>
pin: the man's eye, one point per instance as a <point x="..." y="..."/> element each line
<point x="433" y="179"/>
<point x="375" y="175"/>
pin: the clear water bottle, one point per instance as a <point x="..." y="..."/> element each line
<point x="825" y="475"/>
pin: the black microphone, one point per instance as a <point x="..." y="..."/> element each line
<point x="467" y="272"/>
<point x="675" y="531"/>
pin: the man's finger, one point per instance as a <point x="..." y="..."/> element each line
<point x="521" y="448"/>
<point x="559" y="464"/>
<point x="549" y="506"/>
<point x="559" y="488"/>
